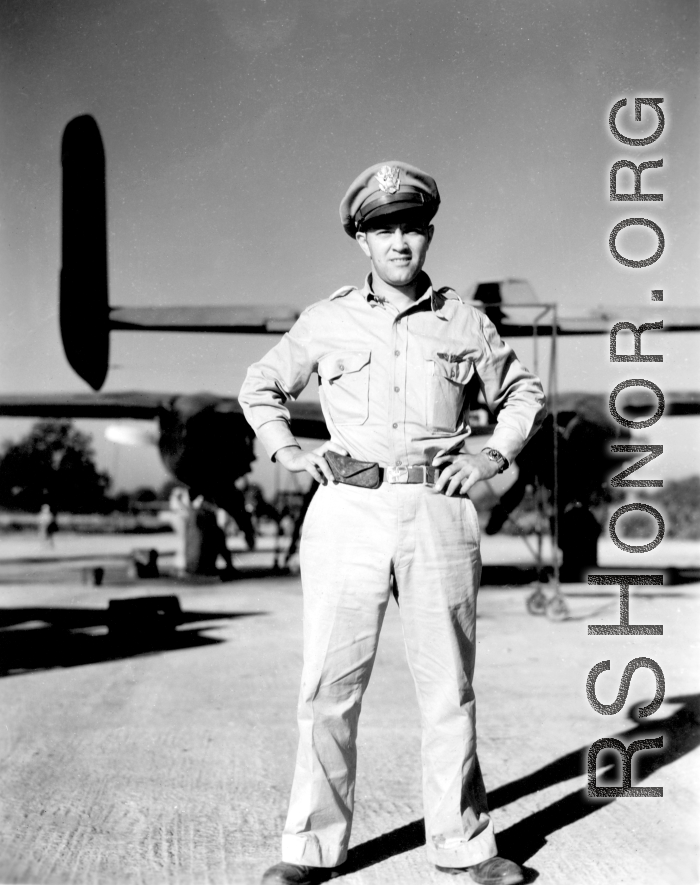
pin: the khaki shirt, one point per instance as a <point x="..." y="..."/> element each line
<point x="392" y="383"/>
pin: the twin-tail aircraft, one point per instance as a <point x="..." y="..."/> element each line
<point x="204" y="440"/>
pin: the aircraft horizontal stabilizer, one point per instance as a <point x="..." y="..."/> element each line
<point x="214" y="318"/>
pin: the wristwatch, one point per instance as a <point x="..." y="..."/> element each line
<point x="495" y="455"/>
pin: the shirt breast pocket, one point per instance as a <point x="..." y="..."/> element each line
<point x="444" y="394"/>
<point x="345" y="379"/>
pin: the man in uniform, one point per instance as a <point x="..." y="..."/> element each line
<point x="393" y="511"/>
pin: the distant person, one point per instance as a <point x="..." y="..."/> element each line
<point x="145" y="563"/>
<point x="393" y="358"/>
<point x="178" y="510"/>
<point x="205" y="541"/>
<point x="47" y="525"/>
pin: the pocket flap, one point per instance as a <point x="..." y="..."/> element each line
<point x="338" y="363"/>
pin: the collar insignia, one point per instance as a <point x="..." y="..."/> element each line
<point x="389" y="178"/>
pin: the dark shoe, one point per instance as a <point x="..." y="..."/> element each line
<point x="295" y="874"/>
<point x="494" y="871"/>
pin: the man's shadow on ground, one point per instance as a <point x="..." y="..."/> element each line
<point x="522" y="840"/>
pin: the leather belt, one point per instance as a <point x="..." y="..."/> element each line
<point x="413" y="473"/>
<point x="369" y="475"/>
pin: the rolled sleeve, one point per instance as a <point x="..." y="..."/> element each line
<point x="279" y="376"/>
<point x="512" y="393"/>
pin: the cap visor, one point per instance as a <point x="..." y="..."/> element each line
<point x="408" y="209"/>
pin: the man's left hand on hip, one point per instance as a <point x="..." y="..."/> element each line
<point x="460" y="472"/>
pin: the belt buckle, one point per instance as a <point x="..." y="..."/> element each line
<point x="398" y="473"/>
<point x="426" y="481"/>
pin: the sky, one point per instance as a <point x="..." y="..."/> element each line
<point x="233" y="129"/>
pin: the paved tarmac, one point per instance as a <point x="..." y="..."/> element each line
<point x="168" y="760"/>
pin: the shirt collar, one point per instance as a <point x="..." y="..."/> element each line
<point x="437" y="297"/>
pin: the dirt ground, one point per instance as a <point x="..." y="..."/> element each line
<point x="166" y="756"/>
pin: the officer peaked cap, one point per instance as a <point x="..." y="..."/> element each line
<point x="385" y="189"/>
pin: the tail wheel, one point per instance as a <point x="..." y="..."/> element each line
<point x="557" y="609"/>
<point x="537" y="603"/>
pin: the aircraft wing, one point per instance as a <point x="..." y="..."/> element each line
<point x="634" y="404"/>
<point x="129" y="404"/>
<point x="641" y="404"/>
<point x="306" y="417"/>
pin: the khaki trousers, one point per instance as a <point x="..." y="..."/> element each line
<point x="354" y="540"/>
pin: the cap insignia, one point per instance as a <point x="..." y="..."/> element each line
<point x="389" y="178"/>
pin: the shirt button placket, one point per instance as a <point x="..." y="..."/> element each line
<point x="401" y="382"/>
<point x="398" y="401"/>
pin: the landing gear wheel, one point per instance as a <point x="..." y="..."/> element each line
<point x="537" y="603"/>
<point x="557" y="609"/>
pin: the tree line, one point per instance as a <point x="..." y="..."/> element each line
<point x="53" y="464"/>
